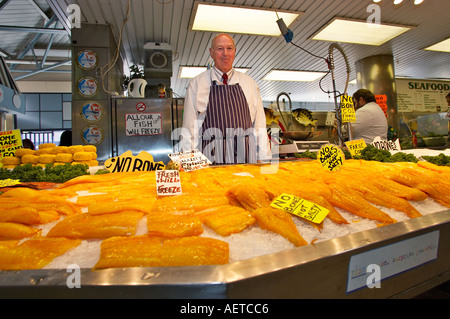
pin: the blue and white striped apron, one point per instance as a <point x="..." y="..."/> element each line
<point x="227" y="131"/>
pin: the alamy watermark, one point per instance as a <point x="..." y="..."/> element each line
<point x="74" y="17"/>
<point x="374" y="19"/>
<point x="74" y="279"/>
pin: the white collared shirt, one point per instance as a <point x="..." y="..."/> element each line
<point x="196" y="102"/>
<point x="370" y="123"/>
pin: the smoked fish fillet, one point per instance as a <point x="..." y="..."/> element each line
<point x="16" y="231"/>
<point x="226" y="220"/>
<point x="34" y="253"/>
<point x="143" y="251"/>
<point x="354" y="203"/>
<point x="278" y="221"/>
<point x="28" y="215"/>
<point x="194" y="251"/>
<point x="172" y="225"/>
<point x="376" y="196"/>
<point x="139" y="251"/>
<point x="144" y="205"/>
<point x="86" y="226"/>
<point x="250" y="195"/>
<point x="418" y="180"/>
<point x="187" y="202"/>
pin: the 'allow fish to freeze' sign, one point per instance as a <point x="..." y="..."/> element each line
<point x="143" y="124"/>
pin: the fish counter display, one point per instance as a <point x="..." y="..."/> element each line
<point x="224" y="215"/>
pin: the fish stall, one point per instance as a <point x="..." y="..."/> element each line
<point x="290" y="229"/>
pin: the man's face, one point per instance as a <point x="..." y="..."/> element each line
<point x="357" y="103"/>
<point x="223" y="52"/>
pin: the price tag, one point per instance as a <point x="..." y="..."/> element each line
<point x="347" y="109"/>
<point x="9" y="182"/>
<point x="168" y="182"/>
<point x="356" y="146"/>
<point x="191" y="160"/>
<point x="300" y="207"/>
<point x="331" y="157"/>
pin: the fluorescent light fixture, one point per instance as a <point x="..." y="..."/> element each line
<point x="359" y="31"/>
<point x="188" y="72"/>
<point x="443" y="46"/>
<point x="239" y="19"/>
<point x="293" y="76"/>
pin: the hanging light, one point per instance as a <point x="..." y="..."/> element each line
<point x="416" y="2"/>
<point x="398" y="1"/>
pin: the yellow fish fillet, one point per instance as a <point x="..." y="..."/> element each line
<point x="16" y="231"/>
<point x="413" y="178"/>
<point x="193" y="251"/>
<point x="387" y="185"/>
<point x="144" y="205"/>
<point x="171" y="225"/>
<point x="378" y="197"/>
<point x="34" y="253"/>
<point x="139" y="251"/>
<point x="188" y="202"/>
<point x="354" y="203"/>
<point x="250" y="196"/>
<point x="28" y="215"/>
<point x="280" y="222"/>
<point x="226" y="220"/>
<point x="65" y="208"/>
<point x="143" y="251"/>
<point x="97" y="226"/>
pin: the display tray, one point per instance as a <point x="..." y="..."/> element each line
<point x="321" y="270"/>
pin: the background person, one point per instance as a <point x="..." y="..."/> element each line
<point x="370" y="118"/>
<point x="222" y="98"/>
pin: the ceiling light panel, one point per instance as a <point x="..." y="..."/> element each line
<point x="360" y="32"/>
<point x="443" y="46"/>
<point x="248" y="20"/>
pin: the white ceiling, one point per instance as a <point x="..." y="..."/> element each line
<point x="168" y="21"/>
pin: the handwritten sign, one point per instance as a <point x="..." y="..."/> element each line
<point x="190" y="160"/>
<point x="300" y="207"/>
<point x="381" y="100"/>
<point x="356" y="146"/>
<point x="347" y="109"/>
<point x="331" y="157"/>
<point x="9" y="182"/>
<point x="129" y="163"/>
<point x="386" y="145"/>
<point x="168" y="182"/>
<point x="10" y="141"/>
<point x="143" y="124"/>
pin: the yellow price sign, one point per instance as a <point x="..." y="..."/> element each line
<point x="331" y="157"/>
<point x="356" y="146"/>
<point x="9" y="182"/>
<point x="347" y="109"/>
<point x="300" y="207"/>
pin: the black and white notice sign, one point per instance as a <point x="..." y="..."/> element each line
<point x="143" y="124"/>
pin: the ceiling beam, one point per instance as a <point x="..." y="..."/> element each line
<point x="31" y="29"/>
<point x="43" y="70"/>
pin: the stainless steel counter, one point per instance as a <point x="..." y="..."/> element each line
<point x="315" y="271"/>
